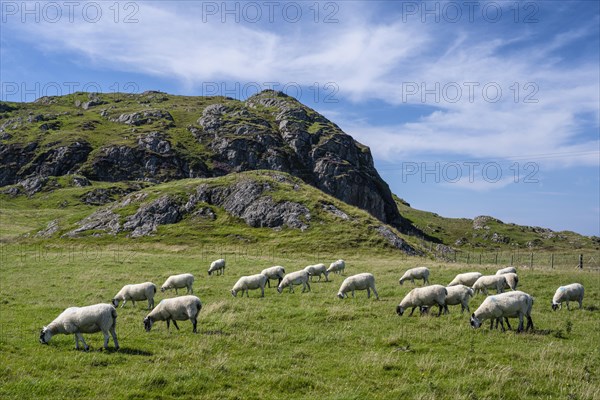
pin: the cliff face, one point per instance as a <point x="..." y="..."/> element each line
<point x="158" y="137"/>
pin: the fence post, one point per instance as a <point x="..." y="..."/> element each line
<point x="581" y="261"/>
<point x="552" y="260"/>
<point x="468" y="258"/>
<point x="512" y="257"/>
<point x="531" y="261"/>
<point x="496" y="258"/>
<point x="479" y="258"/>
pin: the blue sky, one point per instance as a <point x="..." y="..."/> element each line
<point x="470" y="108"/>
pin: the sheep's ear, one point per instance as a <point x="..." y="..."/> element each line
<point x="473" y="315"/>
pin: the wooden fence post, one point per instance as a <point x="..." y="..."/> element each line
<point x="552" y="260"/>
<point x="580" y="261"/>
<point x="531" y="261"/>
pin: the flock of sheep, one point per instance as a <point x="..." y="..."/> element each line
<point x="497" y="308"/>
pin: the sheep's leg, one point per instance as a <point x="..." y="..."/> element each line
<point x="269" y="283"/>
<point x="123" y="304"/>
<point x="106" y="337"/>
<point x="580" y="303"/>
<point x="132" y="302"/>
<point x="308" y="285"/>
<point x="375" y="292"/>
<point x="492" y="324"/>
<point x="568" y="308"/>
<point x="368" y="293"/>
<point x="352" y="293"/>
<point x="175" y="323"/>
<point x="194" y="324"/>
<point x="520" y="328"/>
<point x="508" y="323"/>
<point x="176" y="291"/>
<point x="114" y="336"/>
<point x="291" y="288"/>
<point x="412" y="311"/>
<point x="168" y="324"/>
<point x="440" y="307"/>
<point x="262" y="291"/>
<point x="80" y="337"/>
<point x="529" y="323"/>
<point x="501" y="324"/>
<point x="190" y="290"/>
<point x="76" y="342"/>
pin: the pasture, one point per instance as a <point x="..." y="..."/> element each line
<point x="293" y="346"/>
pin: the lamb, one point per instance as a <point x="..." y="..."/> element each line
<point x="141" y="291"/>
<point x="176" y="309"/>
<point x="178" y="282"/>
<point x="294" y="278"/>
<point x="467" y="279"/>
<point x="251" y="282"/>
<point x="337" y="267"/>
<point x="358" y="282"/>
<point x="78" y="320"/>
<point x="317" y="270"/>
<point x="217" y="266"/>
<point x="276" y="272"/>
<point x="486" y="282"/>
<point x="572" y="292"/>
<point x="505" y="305"/>
<point x="506" y="270"/>
<point x="512" y="280"/>
<point x="459" y="294"/>
<point x="424" y="297"/>
<point x="416" y="273"/>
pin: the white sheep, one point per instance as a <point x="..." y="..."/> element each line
<point x="138" y="292"/>
<point x="572" y="292"/>
<point x="337" y="267"/>
<point x="505" y="305"/>
<point x="364" y="281"/>
<point x="251" y="282"/>
<point x="294" y="278"/>
<point x="175" y="309"/>
<point x="424" y="297"/>
<point x="506" y="270"/>
<point x="217" y="266"/>
<point x="512" y="280"/>
<point x="459" y="294"/>
<point x="276" y="272"/>
<point x="467" y="279"/>
<point x="416" y="273"/>
<point x="178" y="282"/>
<point x="317" y="270"/>
<point x="78" y="320"/>
<point x="486" y="282"/>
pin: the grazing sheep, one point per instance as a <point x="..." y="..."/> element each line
<point x="467" y="279"/>
<point x="512" y="280"/>
<point x="424" y="297"/>
<point x="294" y="278"/>
<point x="251" y="282"/>
<point x="317" y="270"/>
<point x="459" y="294"/>
<point x="178" y="282"/>
<point x="505" y="305"/>
<point x="337" y="267"/>
<point x="507" y="270"/>
<point x="176" y="309"/>
<point x="572" y="292"/>
<point x="416" y="273"/>
<point x="141" y="291"/>
<point x="358" y="282"/>
<point x="216" y="267"/>
<point x="78" y="320"/>
<point x="486" y="282"/>
<point x="276" y="272"/>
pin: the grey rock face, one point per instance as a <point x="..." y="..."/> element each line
<point x="33" y="184"/>
<point x="50" y="229"/>
<point x="330" y="208"/>
<point x="58" y="161"/>
<point x="145" y="117"/>
<point x="104" y="220"/>
<point x="162" y="211"/>
<point x="395" y="240"/>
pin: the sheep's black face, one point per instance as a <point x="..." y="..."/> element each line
<point x="44" y="336"/>
<point x="234" y="293"/>
<point x="279" y="289"/>
<point x="148" y="324"/>
<point x="475" y="323"/>
<point x="115" y="303"/>
<point x="399" y="310"/>
<point x="554" y="307"/>
<point x="340" y="295"/>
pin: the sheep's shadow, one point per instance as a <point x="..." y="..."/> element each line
<point x="132" y="352"/>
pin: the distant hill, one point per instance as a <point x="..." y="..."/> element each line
<point x="154" y="165"/>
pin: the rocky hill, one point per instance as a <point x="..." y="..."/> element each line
<point x="155" y="137"/>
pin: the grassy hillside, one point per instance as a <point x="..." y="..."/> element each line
<point x="295" y="346"/>
<point x="488" y="233"/>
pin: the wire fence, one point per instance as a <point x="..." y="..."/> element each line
<point x="588" y="260"/>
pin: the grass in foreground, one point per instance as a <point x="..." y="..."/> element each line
<point x="309" y="345"/>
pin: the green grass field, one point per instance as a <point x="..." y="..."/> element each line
<point x="300" y="345"/>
